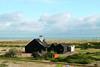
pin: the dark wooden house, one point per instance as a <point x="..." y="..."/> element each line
<point x="40" y="46"/>
<point x="60" y="48"/>
<point x="52" y="47"/>
<point x="36" y="45"/>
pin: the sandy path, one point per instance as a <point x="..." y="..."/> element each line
<point x="30" y="64"/>
<point x="35" y="64"/>
<point x="25" y="64"/>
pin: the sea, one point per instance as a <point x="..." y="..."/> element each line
<point x="53" y="38"/>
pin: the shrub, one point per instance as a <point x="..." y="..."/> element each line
<point x="60" y="59"/>
<point x="35" y="54"/>
<point x="85" y="46"/>
<point x="46" y="56"/>
<point x="3" y="65"/>
<point x="11" y="53"/>
<point x="50" y="54"/>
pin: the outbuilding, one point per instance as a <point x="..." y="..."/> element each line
<point x="51" y="47"/>
<point x="61" y="48"/>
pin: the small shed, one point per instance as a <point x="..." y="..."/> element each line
<point x="35" y="45"/>
<point x="52" y="47"/>
<point x="61" y="48"/>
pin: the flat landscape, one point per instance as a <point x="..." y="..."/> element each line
<point x="25" y="60"/>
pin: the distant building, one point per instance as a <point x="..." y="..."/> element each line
<point x="35" y="45"/>
<point x="61" y="48"/>
<point x="39" y="45"/>
<point x="51" y="47"/>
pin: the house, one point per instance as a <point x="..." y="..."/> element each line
<point x="39" y="45"/>
<point x="60" y="48"/>
<point x="52" y="47"/>
<point x="36" y="45"/>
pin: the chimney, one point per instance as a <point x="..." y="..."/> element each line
<point x="41" y="38"/>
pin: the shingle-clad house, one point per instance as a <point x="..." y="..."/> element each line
<point x="39" y="45"/>
<point x="60" y="48"/>
<point x="36" y="45"/>
<point x="51" y="47"/>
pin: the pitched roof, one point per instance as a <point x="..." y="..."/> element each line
<point x="38" y="41"/>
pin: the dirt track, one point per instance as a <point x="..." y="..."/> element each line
<point x="37" y="64"/>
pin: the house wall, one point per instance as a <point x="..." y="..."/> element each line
<point x="65" y="49"/>
<point x="72" y="48"/>
<point x="51" y="48"/>
<point x="60" y="49"/>
<point x="36" y="46"/>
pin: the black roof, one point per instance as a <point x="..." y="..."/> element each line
<point x="39" y="42"/>
<point x="64" y="44"/>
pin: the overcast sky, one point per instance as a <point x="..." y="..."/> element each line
<point x="51" y="18"/>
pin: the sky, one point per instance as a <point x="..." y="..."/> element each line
<point x="50" y="18"/>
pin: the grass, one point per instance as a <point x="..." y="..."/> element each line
<point x="59" y="65"/>
<point x="82" y="56"/>
<point x="11" y="45"/>
<point x="94" y="53"/>
<point x="25" y="59"/>
<point x="79" y="50"/>
<point x="97" y="57"/>
<point x="16" y="58"/>
<point x="17" y="44"/>
<point x="3" y="65"/>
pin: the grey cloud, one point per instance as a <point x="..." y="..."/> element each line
<point x="61" y="23"/>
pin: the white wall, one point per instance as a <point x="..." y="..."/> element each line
<point x="72" y="48"/>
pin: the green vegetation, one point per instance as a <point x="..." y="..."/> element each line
<point x="3" y="65"/>
<point x="81" y="58"/>
<point x="95" y="56"/>
<point x="73" y="59"/>
<point x="86" y="53"/>
<point x="59" y="65"/>
<point x="11" y="53"/>
<point x="45" y="56"/>
<point x="87" y="45"/>
<point x="11" y="45"/>
<point x="49" y="55"/>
